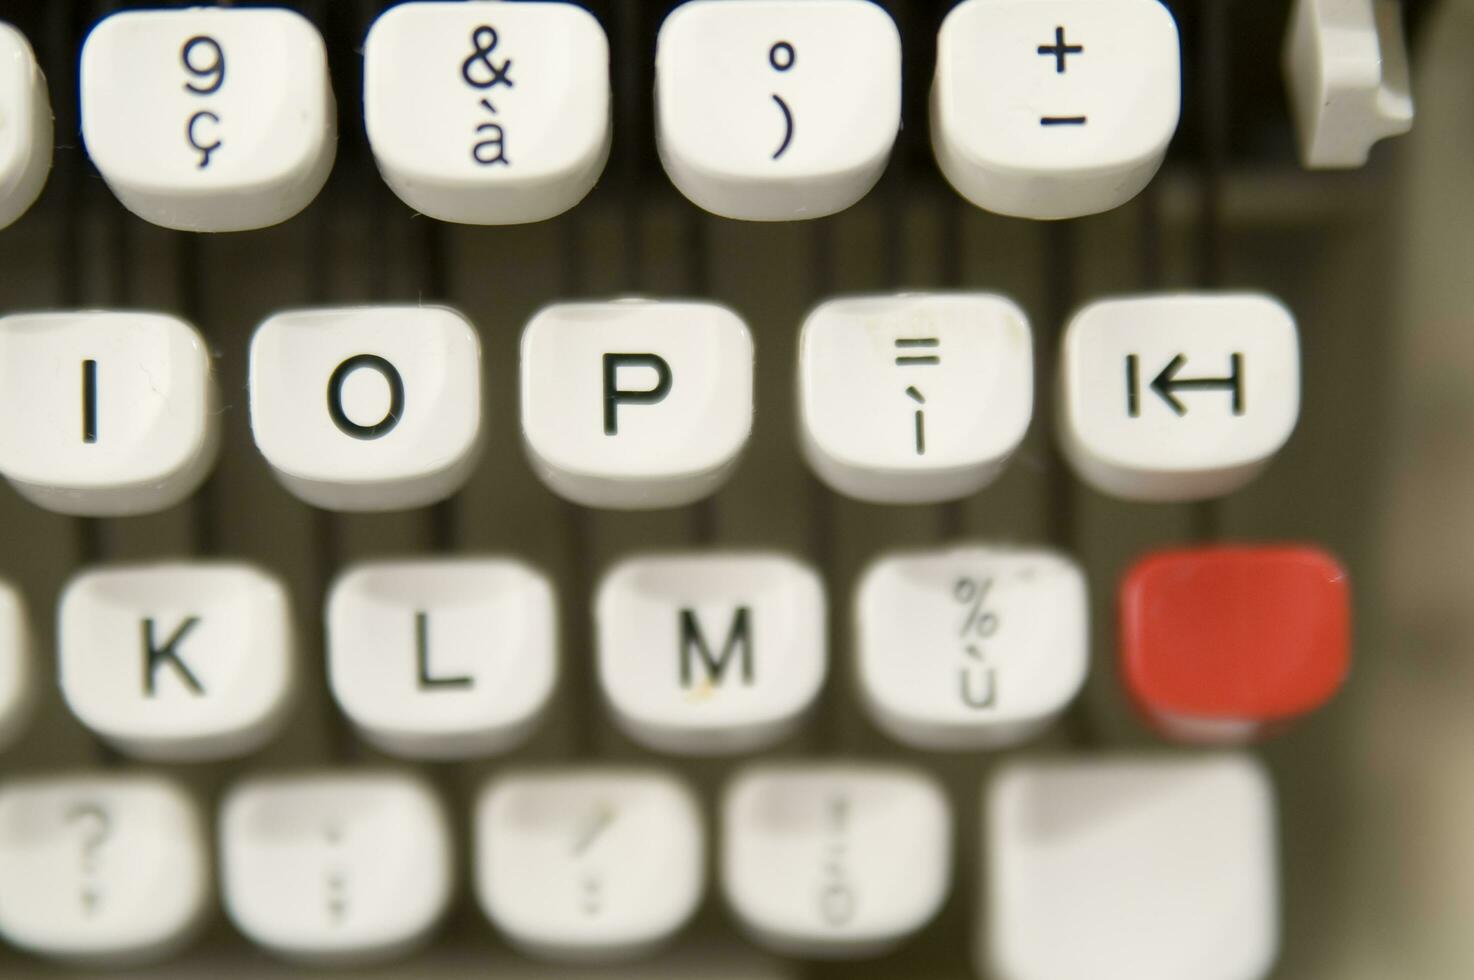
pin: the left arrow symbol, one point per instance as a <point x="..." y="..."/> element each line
<point x="1167" y="384"/>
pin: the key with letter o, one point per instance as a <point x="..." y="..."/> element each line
<point x="209" y="118"/>
<point x="368" y="408"/>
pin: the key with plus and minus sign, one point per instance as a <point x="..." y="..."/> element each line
<point x="1060" y="51"/>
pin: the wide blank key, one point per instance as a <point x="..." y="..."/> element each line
<point x="105" y="413"/>
<point x="970" y="648"/>
<point x="442" y="659"/>
<point x="17" y="675"/>
<point x="209" y="118"/>
<point x="591" y="864"/>
<point x="914" y="398"/>
<point x="775" y="110"/>
<point x="835" y="860"/>
<point x="488" y="113"/>
<point x="108" y="869"/>
<point x="368" y="408"/>
<point x="1130" y="869"/>
<point x="335" y="868"/>
<point x="25" y="126"/>
<point x="710" y="654"/>
<point x="1054" y="108"/>
<point x="177" y="661"/>
<point x="1177" y="397"/>
<point x="634" y="403"/>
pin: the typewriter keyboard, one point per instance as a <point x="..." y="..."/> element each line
<point x="727" y="489"/>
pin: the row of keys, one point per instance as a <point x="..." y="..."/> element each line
<point x="645" y="404"/>
<point x="1154" y="868"/>
<point x="964" y="648"/>
<point x="223" y="119"/>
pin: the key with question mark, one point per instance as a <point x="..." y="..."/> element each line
<point x="101" y="866"/>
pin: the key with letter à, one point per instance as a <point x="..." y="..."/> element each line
<point x="488" y="113"/>
<point x="1177" y="397"/>
<point x="177" y="661"/>
<point x="710" y="654"/>
<point x="209" y="118"/>
<point x="775" y="110"/>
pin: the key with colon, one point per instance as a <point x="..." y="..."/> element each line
<point x="834" y="860"/>
<point x="335" y="867"/>
<point x="109" y="870"/>
<point x="488" y="113"/>
<point x="209" y="118"/>
<point x="588" y="864"/>
<point x="25" y="126"/>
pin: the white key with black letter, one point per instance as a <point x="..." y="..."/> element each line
<point x="488" y="113"/>
<point x="105" y="413"/>
<point x="111" y="870"/>
<point x="775" y="110"/>
<point x="834" y="860"/>
<point x="209" y="118"/>
<point x="1177" y="397"/>
<point x="368" y="407"/>
<point x="25" y="126"/>
<point x="588" y="864"/>
<point x="442" y="659"/>
<point x="177" y="661"/>
<point x="914" y="398"/>
<point x="636" y="403"/>
<point x="1125" y="868"/>
<point x="1054" y="108"/>
<point x="335" y="868"/>
<point x="17" y="675"/>
<point x="970" y="647"/>
<point x="709" y="654"/>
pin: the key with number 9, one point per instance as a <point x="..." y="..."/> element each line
<point x="209" y="119"/>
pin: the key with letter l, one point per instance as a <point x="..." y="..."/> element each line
<point x="1177" y="397"/>
<point x="177" y="661"/>
<point x="714" y="653"/>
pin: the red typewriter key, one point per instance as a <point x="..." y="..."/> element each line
<point x="1220" y="644"/>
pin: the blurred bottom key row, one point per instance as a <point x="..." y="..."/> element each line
<point x="1106" y="866"/>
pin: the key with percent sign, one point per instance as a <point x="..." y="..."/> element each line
<point x="970" y="647"/>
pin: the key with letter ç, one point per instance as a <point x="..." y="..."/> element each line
<point x="1177" y="397"/>
<point x="209" y="119"/>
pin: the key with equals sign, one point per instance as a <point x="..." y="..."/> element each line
<point x="913" y="343"/>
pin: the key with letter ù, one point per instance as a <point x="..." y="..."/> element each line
<point x="108" y="870"/>
<point x="177" y="661"/>
<point x="710" y="654"/>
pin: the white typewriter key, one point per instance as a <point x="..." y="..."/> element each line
<point x="1130" y="869"/>
<point x="1177" y="397"/>
<point x="1347" y="69"/>
<point x="774" y="110"/>
<point x="111" y="870"/>
<point x="177" y="661"/>
<point x="636" y="403"/>
<point x="442" y="659"/>
<point x="710" y="654"/>
<point x="588" y="865"/>
<point x="25" y="126"/>
<point x="17" y="677"/>
<point x="368" y="408"/>
<point x="1054" y="108"/>
<point x="834" y="860"/>
<point x="209" y="118"/>
<point x="335" y="868"/>
<point x="488" y="113"/>
<point x="105" y="414"/>
<point x="970" y="648"/>
<point x="914" y="398"/>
